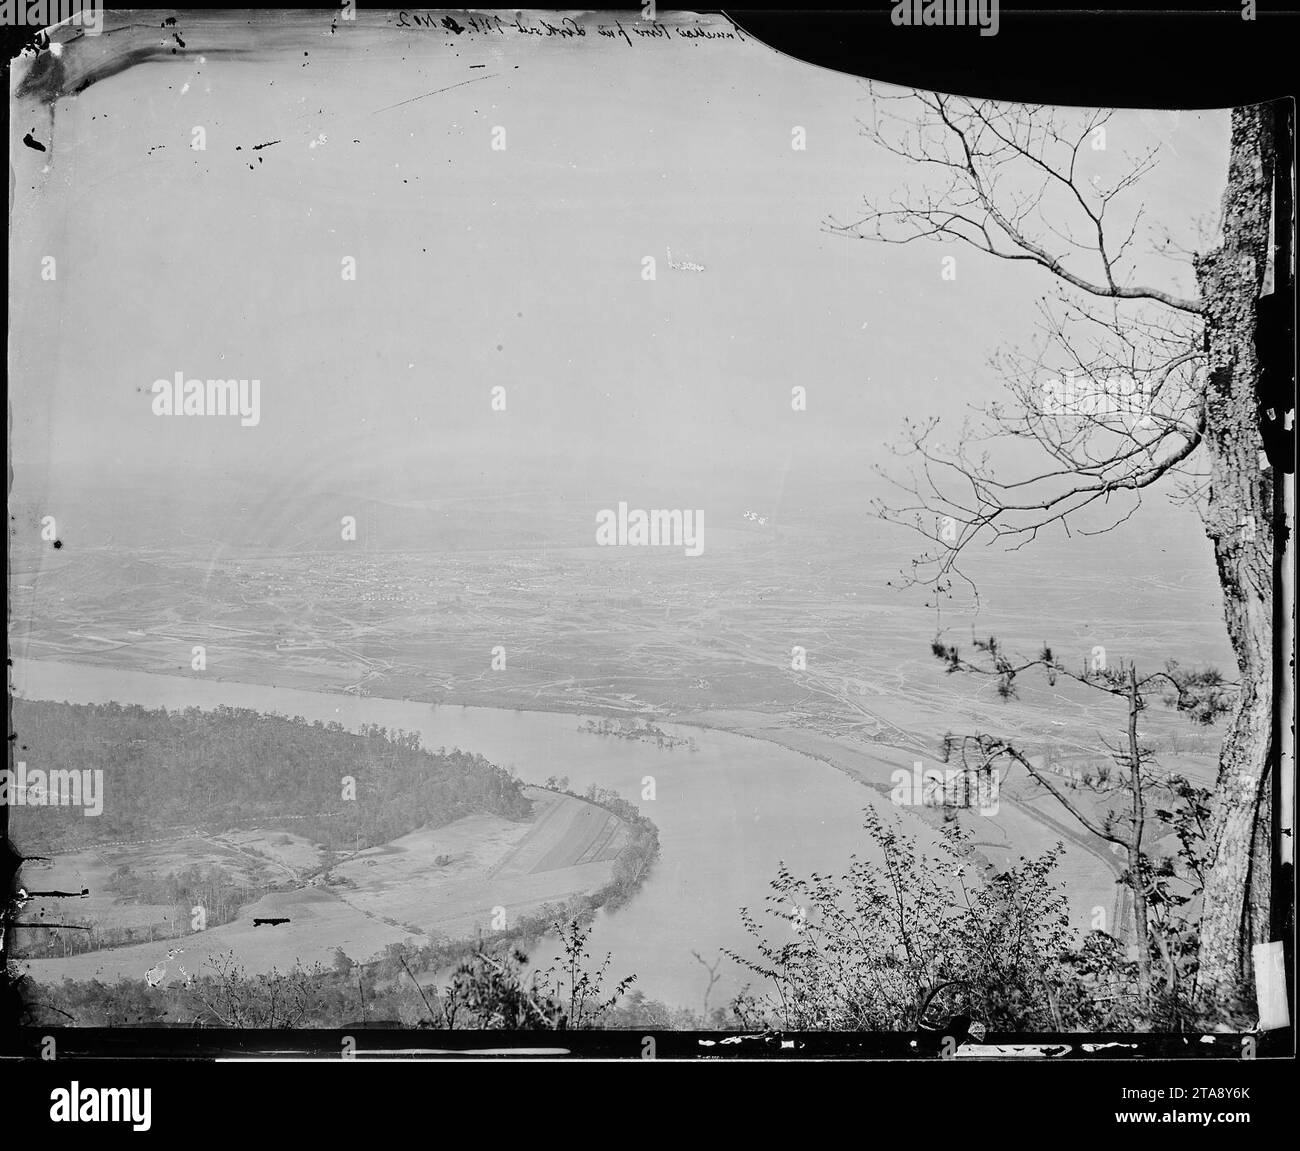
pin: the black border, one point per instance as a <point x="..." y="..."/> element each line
<point x="1131" y="55"/>
<point x="1137" y="54"/>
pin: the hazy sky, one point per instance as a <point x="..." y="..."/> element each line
<point x="477" y="267"/>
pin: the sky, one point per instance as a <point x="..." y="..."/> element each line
<point x="518" y="267"/>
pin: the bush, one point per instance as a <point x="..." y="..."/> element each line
<point x="912" y="943"/>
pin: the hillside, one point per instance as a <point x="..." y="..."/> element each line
<point x="225" y="768"/>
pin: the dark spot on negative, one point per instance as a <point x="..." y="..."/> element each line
<point x="33" y="143"/>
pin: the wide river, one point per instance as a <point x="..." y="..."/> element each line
<point x="728" y="814"/>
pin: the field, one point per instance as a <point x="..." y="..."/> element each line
<point x="449" y="882"/>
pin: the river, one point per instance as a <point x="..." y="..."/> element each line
<point x="728" y="814"/>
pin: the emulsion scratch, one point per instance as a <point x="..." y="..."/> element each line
<point x="435" y="92"/>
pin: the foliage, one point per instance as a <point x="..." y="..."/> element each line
<point x="891" y="948"/>
<point x="233" y="766"/>
<point x="231" y="998"/>
<point x="489" y="992"/>
<point x="489" y="989"/>
<point x="221" y="893"/>
<point x="570" y="980"/>
<point x="1158" y="988"/>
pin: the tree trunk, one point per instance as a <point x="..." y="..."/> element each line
<point x="1136" y="865"/>
<point x="1239" y="522"/>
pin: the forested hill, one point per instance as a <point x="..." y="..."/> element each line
<point x="233" y="767"/>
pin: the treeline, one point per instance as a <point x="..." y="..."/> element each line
<point x="234" y="766"/>
<point x="219" y="892"/>
<point x="632" y="863"/>
<point x="641" y="850"/>
<point x="212" y="887"/>
<point x="344" y="995"/>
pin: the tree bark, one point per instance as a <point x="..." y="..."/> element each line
<point x="1136" y="866"/>
<point x="1239" y="522"/>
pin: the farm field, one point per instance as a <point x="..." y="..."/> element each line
<point x="396" y="892"/>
